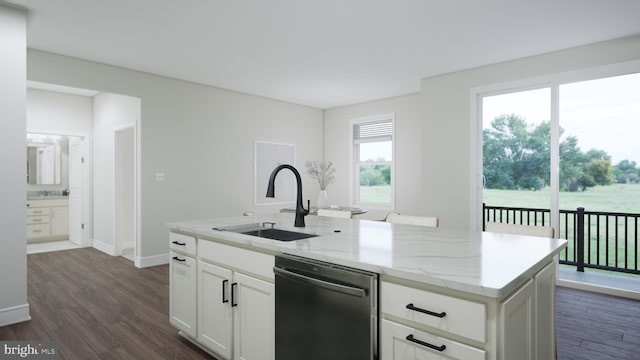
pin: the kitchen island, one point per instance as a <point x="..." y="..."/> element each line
<point x="497" y="290"/>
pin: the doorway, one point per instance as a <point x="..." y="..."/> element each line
<point x="125" y="192"/>
<point x="56" y="218"/>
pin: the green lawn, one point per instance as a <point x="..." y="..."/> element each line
<point x="612" y="198"/>
<point x="602" y="246"/>
<point x="375" y="194"/>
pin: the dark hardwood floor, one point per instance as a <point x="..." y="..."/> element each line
<point x="592" y="326"/>
<point x="96" y="306"/>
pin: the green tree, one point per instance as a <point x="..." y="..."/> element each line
<point x="572" y="161"/>
<point x="516" y="156"/>
<point x="370" y="176"/>
<point x="601" y="171"/>
<point x="625" y="172"/>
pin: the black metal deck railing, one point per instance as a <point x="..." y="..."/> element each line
<point x="597" y="239"/>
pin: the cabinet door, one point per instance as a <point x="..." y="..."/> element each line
<point x="215" y="315"/>
<point x="254" y="319"/>
<point x="517" y="316"/>
<point x="60" y="221"/>
<point x="182" y="293"/>
<point x="545" y="298"/>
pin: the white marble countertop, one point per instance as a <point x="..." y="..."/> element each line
<point x="477" y="262"/>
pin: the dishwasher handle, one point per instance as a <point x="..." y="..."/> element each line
<point x="345" y="289"/>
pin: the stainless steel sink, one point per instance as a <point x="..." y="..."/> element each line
<point x="277" y="234"/>
<point x="260" y="230"/>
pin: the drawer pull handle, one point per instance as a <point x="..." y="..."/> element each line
<point x="179" y="243"/>
<point x="234" y="288"/>
<point x="424" y="343"/>
<point x="178" y="259"/>
<point x="225" y="299"/>
<point x="440" y="315"/>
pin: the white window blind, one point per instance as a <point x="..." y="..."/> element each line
<point x="373" y="131"/>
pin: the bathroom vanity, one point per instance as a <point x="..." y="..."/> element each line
<point x="47" y="218"/>
<point x="442" y="293"/>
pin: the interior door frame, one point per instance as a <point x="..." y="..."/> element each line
<point x="86" y="198"/>
<point x="136" y="189"/>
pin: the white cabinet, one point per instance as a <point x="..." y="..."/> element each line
<point x="60" y="221"/>
<point x="236" y="302"/>
<point x="254" y="319"/>
<point x="182" y="287"/>
<point x="420" y="324"/>
<point x="517" y="324"/>
<point x="223" y="297"/>
<point x="545" y="295"/>
<point x="417" y="323"/>
<point x="401" y="342"/>
<point x="47" y="219"/>
<point x="528" y="319"/>
<point x="38" y="223"/>
<point x="215" y="329"/>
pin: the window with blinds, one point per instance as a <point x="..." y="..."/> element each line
<point x="373" y="161"/>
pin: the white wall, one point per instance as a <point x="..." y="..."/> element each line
<point x="446" y="153"/>
<point x="110" y="112"/>
<point x="200" y="137"/>
<point x="433" y="152"/>
<point x="408" y="127"/>
<point x="13" y="257"/>
<point x="54" y="112"/>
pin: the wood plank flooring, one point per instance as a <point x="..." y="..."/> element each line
<point x="592" y="326"/>
<point x="96" y="306"/>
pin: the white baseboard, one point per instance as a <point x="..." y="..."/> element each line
<point x="14" y="314"/>
<point x="105" y="248"/>
<point x="148" y="261"/>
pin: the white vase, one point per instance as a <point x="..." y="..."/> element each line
<point x="323" y="201"/>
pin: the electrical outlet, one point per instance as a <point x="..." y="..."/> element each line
<point x="160" y="176"/>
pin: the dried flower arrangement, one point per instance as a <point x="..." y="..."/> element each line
<point x="321" y="171"/>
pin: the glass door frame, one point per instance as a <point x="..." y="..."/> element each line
<point x="553" y="81"/>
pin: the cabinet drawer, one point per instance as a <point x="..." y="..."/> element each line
<point x="38" y="231"/>
<point x="38" y="211"/>
<point x="37" y="220"/>
<point x="182" y="243"/>
<point x="457" y="316"/>
<point x="246" y="261"/>
<point x="399" y="342"/>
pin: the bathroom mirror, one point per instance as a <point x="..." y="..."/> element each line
<point x="43" y="160"/>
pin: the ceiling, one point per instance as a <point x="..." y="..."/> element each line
<point x="319" y="53"/>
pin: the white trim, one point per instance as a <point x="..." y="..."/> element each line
<point x="14" y="314"/>
<point x="104" y="247"/>
<point x="554" y="159"/>
<point x="155" y="260"/>
<point x="551" y="81"/>
<point x="136" y="225"/>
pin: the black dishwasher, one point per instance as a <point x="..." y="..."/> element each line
<point x="324" y="311"/>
